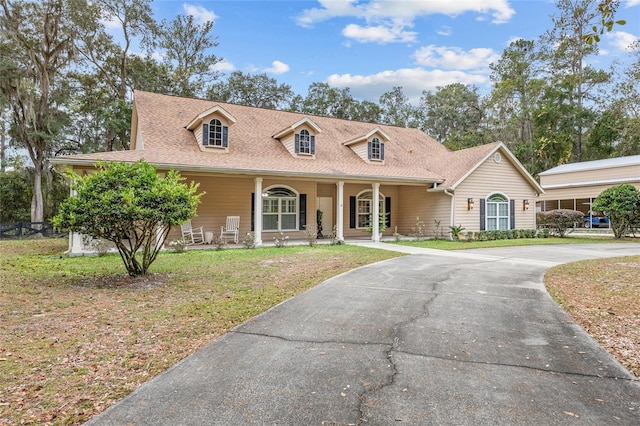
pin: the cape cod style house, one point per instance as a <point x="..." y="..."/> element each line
<point x="276" y="170"/>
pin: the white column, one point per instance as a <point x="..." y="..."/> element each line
<point x="375" y="217"/>
<point x="340" y="212"/>
<point x="257" y="218"/>
<point x="76" y="247"/>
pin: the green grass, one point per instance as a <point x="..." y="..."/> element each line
<point x="462" y="245"/>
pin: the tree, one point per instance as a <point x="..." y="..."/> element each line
<point x="560" y="220"/>
<point x="252" y="90"/>
<point x="396" y="109"/>
<point x="326" y="101"/>
<point x="37" y="45"/>
<point x="15" y="193"/>
<point x="566" y="53"/>
<point x="607" y="10"/>
<point x="621" y="203"/>
<point x="186" y="45"/>
<point x="130" y="206"/>
<point x="517" y="88"/>
<point x="453" y="115"/>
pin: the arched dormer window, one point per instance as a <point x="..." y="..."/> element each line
<point x="215" y="134"/>
<point x="364" y="202"/>
<point x="305" y="143"/>
<point x="376" y="149"/>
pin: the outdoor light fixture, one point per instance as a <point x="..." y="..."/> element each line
<point x="469" y="203"/>
<point x="525" y="204"/>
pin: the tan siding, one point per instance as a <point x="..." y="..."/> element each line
<point x="577" y="192"/>
<point x="591" y="175"/>
<point x="492" y="177"/>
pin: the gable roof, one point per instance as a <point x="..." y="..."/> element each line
<point x="164" y="128"/>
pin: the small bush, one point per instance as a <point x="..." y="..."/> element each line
<point x="560" y="221"/>
<point x="419" y="230"/>
<point x="281" y="240"/>
<point x="249" y="240"/>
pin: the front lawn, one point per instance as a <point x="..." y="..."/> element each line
<point x="78" y="334"/>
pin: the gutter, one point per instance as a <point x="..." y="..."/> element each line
<point x="452" y="209"/>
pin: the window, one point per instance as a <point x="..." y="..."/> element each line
<point x="364" y="204"/>
<point x="305" y="143"/>
<point x="376" y="149"/>
<point x="497" y="212"/>
<point x="279" y="209"/>
<point x="215" y="134"/>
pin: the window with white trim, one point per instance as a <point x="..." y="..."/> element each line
<point x="497" y="212"/>
<point x="216" y="136"/>
<point x="305" y="142"/>
<point x="376" y="149"/>
<point x="279" y="209"/>
<point x="364" y="205"/>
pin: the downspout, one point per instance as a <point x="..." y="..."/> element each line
<point x="452" y="210"/>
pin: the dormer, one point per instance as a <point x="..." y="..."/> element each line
<point x="300" y="138"/>
<point x="370" y="147"/>
<point x="211" y="129"/>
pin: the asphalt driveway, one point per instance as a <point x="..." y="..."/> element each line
<point x="458" y="338"/>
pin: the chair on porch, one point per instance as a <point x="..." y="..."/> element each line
<point x="231" y="228"/>
<point x="192" y="235"/>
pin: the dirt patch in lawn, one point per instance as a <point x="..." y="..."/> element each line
<point x="603" y="296"/>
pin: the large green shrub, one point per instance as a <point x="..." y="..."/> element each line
<point x="131" y="206"/>
<point x="621" y="203"/>
<point x="559" y="221"/>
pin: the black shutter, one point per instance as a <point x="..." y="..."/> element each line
<point x="352" y="212"/>
<point x="253" y="211"/>
<point x="483" y="219"/>
<point x="381" y="151"/>
<point x="297" y="148"/>
<point x="225" y="136"/>
<point x="387" y="210"/>
<point x="369" y="150"/>
<point x="205" y="134"/>
<point x="313" y="145"/>
<point x="512" y="214"/>
<point x="302" y="211"/>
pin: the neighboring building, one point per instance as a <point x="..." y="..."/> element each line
<point x="275" y="169"/>
<point x="574" y="186"/>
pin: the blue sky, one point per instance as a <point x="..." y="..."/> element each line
<point x="372" y="46"/>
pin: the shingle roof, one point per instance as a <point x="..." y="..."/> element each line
<point x="409" y="154"/>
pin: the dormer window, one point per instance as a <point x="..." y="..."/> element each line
<point x="305" y="143"/>
<point x="215" y="134"/>
<point x="376" y="149"/>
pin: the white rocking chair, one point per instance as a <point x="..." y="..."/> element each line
<point x="192" y="235"/>
<point x="231" y="229"/>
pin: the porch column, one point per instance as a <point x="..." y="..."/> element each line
<point x="76" y="247"/>
<point x="257" y="218"/>
<point x="376" y="213"/>
<point x="340" y="212"/>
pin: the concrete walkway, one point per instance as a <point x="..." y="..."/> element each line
<point x="444" y="338"/>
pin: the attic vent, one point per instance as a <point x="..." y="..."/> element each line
<point x="497" y="157"/>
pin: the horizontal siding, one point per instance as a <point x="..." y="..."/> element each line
<point x="488" y="178"/>
<point x="621" y="172"/>
<point x="591" y="191"/>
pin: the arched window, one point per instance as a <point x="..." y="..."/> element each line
<point x="216" y="133"/>
<point x="497" y="212"/>
<point x="364" y="203"/>
<point x="279" y="209"/>
<point x="305" y="142"/>
<point x="375" y="149"/>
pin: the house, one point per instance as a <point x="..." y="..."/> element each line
<point x="574" y="186"/>
<point x="276" y="169"/>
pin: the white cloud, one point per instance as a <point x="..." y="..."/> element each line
<point x="445" y="30"/>
<point x="277" y="67"/>
<point x="199" y="13"/>
<point x="408" y="10"/>
<point x="223" y="66"/>
<point x="412" y="80"/>
<point x="631" y="3"/>
<point x="378" y="34"/>
<point x="454" y="58"/>
<point x="620" y="39"/>
<point x="111" y="23"/>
